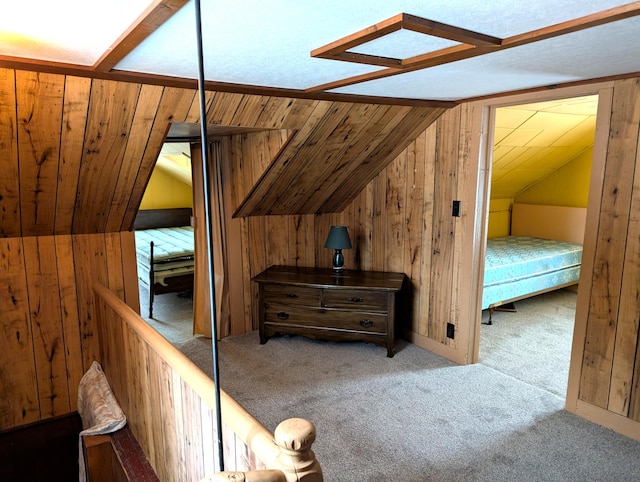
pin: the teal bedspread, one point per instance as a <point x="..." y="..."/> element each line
<point x="516" y="266"/>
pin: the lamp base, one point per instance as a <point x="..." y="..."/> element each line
<point x="338" y="261"/>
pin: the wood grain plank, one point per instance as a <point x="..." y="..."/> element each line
<point x="269" y="186"/>
<point x="277" y="240"/>
<point x="39" y="100"/>
<point x="595" y="379"/>
<point x="18" y="371"/>
<point x="378" y="240"/>
<point x="299" y="113"/>
<point x="443" y="226"/>
<point x="336" y="156"/>
<point x="626" y="337"/>
<point x="274" y="113"/>
<point x="395" y="203"/>
<point x="249" y="110"/>
<point x="413" y="225"/>
<point x="69" y="312"/>
<point x="113" y="254"/>
<point x="223" y="108"/>
<point x="77" y="91"/>
<point x="193" y="114"/>
<point x="144" y="115"/>
<point x="129" y="270"/>
<point x="90" y="265"/>
<point x="377" y="135"/>
<point x="111" y="111"/>
<point x="46" y="325"/>
<point x="10" y="221"/>
<point x="420" y="323"/>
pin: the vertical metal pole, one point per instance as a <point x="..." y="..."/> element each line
<point x="207" y="210"/>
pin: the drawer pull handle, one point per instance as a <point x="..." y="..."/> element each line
<point x="355" y="300"/>
<point x="291" y="295"/>
<point x="366" y="323"/>
<point x="282" y="315"/>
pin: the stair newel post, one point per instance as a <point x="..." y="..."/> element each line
<point x="295" y="436"/>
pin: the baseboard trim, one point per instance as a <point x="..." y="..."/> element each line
<point x="435" y="347"/>
<point x="623" y="425"/>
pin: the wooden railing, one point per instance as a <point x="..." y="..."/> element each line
<point x="169" y="403"/>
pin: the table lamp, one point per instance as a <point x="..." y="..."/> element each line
<point x="338" y="239"/>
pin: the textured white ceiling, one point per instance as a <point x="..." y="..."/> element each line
<point x="268" y="43"/>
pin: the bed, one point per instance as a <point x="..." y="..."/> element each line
<point x="543" y="253"/>
<point x="164" y="251"/>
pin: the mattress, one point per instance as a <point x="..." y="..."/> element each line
<point x="519" y="265"/>
<point x="173" y="252"/>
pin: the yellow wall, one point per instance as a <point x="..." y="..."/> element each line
<point x="568" y="186"/>
<point x="499" y="218"/>
<point x="165" y="191"/>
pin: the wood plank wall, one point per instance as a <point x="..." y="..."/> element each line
<point x="401" y="221"/>
<point x="610" y="372"/>
<point x="48" y="326"/>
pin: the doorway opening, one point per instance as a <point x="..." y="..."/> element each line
<point x="164" y="217"/>
<point x="540" y="179"/>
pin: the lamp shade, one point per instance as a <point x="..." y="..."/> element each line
<point x="338" y="238"/>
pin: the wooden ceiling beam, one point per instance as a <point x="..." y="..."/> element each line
<point x="148" y="22"/>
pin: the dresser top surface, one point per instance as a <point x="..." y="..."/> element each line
<point x="327" y="278"/>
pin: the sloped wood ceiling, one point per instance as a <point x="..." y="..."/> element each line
<point x="76" y="153"/>
<point x="334" y="155"/>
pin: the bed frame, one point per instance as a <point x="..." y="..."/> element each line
<point x="548" y="222"/>
<point x="164" y="218"/>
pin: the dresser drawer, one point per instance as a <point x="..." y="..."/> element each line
<point x="333" y="319"/>
<point x="290" y="294"/>
<point x="355" y="299"/>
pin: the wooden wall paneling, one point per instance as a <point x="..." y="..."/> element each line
<point x="395" y="141"/>
<point x="10" y="179"/>
<point x="265" y="192"/>
<point x="90" y="266"/>
<point x="318" y="151"/>
<point x="181" y="446"/>
<point x="395" y="205"/>
<point x="299" y="113"/>
<point x="130" y="270"/>
<point x="174" y="107"/>
<point x="595" y="380"/>
<point x="164" y="442"/>
<point x="192" y="420"/>
<point x="331" y="164"/>
<point x="39" y="100"/>
<point x="137" y="353"/>
<point x="348" y="218"/>
<point x="111" y="111"/>
<point x="69" y="315"/>
<point x="46" y="327"/>
<point x="277" y="240"/>
<point x="257" y="261"/>
<point x="19" y="403"/>
<point x="223" y="108"/>
<point x="378" y="252"/>
<point x="380" y="125"/>
<point x="77" y="91"/>
<point x="626" y="336"/>
<point x="193" y="114"/>
<point x="274" y="113"/>
<point x="421" y="321"/>
<point x="323" y="257"/>
<point x="144" y="115"/>
<point x="249" y="110"/>
<point x="366" y="227"/>
<point x="443" y="235"/>
<point x="414" y="228"/>
<point x="115" y="268"/>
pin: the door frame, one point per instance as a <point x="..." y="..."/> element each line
<point x="484" y="144"/>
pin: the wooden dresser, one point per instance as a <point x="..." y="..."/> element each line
<point x="317" y="303"/>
